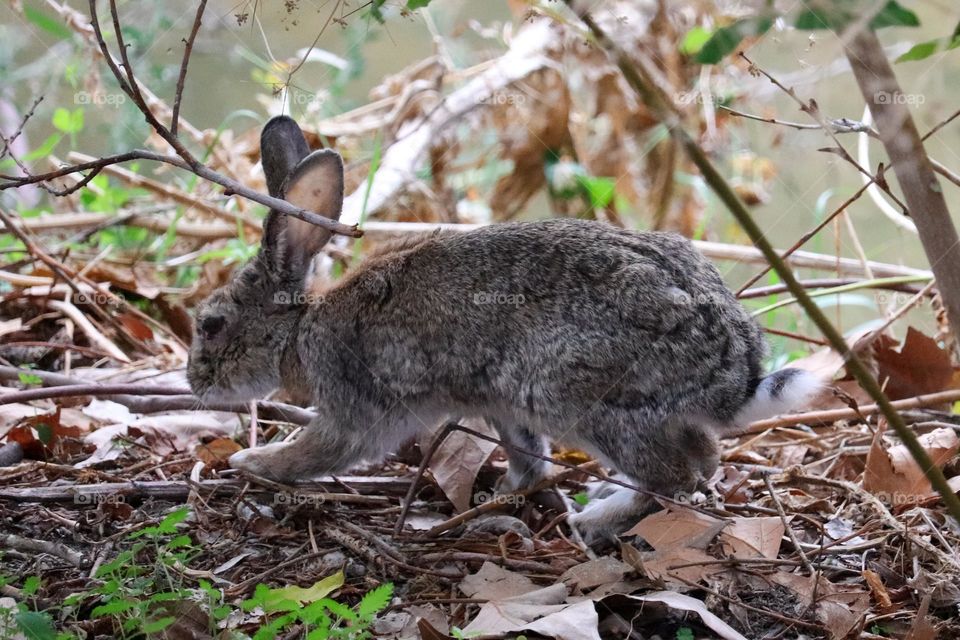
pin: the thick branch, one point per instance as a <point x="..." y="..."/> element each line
<point x="910" y="163"/>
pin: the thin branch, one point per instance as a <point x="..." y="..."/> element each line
<point x="187" y="50"/>
<point x="638" y="78"/>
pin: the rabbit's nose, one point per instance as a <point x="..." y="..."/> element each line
<point x="211" y="325"/>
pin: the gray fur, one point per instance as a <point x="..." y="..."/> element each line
<point x="626" y="344"/>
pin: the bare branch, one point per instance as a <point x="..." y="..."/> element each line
<point x="187" y="50"/>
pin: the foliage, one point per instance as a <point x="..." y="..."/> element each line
<point x="711" y="47"/>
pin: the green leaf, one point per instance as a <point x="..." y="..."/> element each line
<point x="926" y="49"/>
<point x="694" y="40"/>
<point x="580" y="498"/>
<point x="54" y="27"/>
<point x="275" y="599"/>
<point x="685" y="633"/>
<point x="30" y="379"/>
<point x="113" y="607"/>
<point x="31" y="585"/>
<point x="894" y="15"/>
<point x="600" y="191"/>
<point x="68" y="121"/>
<point x="375" y="601"/>
<point x="44" y="149"/>
<point x="837" y="17"/>
<point x="36" y="625"/>
<point x="726" y="39"/>
<point x="417" y="4"/>
<point x="156" y="626"/>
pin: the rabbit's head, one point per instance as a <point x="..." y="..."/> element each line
<point x="242" y="328"/>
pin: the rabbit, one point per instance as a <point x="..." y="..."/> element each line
<point x="625" y="344"/>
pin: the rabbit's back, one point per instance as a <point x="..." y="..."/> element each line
<point x="554" y="318"/>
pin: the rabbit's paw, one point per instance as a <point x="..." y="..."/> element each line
<point x="266" y="461"/>
<point x="601" y="521"/>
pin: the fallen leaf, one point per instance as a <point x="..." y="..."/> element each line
<point x="595" y="573"/>
<point x="872" y="578"/>
<point x="456" y="462"/>
<point x="753" y="537"/>
<point x="540" y="611"/>
<point x="683" y="602"/>
<point x="216" y="452"/>
<point x="320" y="589"/>
<point x="493" y="582"/>
<point x="840" y="607"/>
<point x="894" y="476"/>
<point x="920" y="367"/>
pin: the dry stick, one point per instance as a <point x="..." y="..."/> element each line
<point x="866" y="341"/>
<point x="425" y="460"/>
<point x="146" y="398"/>
<point x="881" y="509"/>
<point x="807" y="236"/>
<point x="187" y="50"/>
<point x="67" y="276"/>
<point x="59" y="550"/>
<point x="910" y="163"/>
<point x="812" y="109"/>
<point x="172" y="193"/>
<point x="637" y="77"/>
<point x="786" y="525"/>
<point x="827" y="283"/>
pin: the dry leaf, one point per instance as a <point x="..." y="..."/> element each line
<point x="456" y="462"/>
<point x="877" y="589"/>
<point x="753" y="537"/>
<point x="895" y="477"/>
<point x="493" y="582"/>
<point x="216" y="452"/>
<point x="920" y="367"/>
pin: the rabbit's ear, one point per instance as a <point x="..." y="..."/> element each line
<point x="282" y="147"/>
<point x="316" y="184"/>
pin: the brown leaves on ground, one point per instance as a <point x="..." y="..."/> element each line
<point x="892" y="473"/>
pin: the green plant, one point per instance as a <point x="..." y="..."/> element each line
<point x="20" y="620"/>
<point x="136" y="594"/>
<point x="322" y="617"/>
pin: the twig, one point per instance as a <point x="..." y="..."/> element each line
<point x="945" y="558"/>
<point x="715" y="250"/>
<point x="91" y="494"/>
<point x="786" y="525"/>
<point x="638" y="78"/>
<point x="833" y="415"/>
<point x="59" y="550"/>
<point x="187" y="50"/>
<point x="421" y="468"/>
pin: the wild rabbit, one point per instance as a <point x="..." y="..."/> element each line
<point x="625" y="344"/>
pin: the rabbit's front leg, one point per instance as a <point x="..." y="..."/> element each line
<point x="319" y="450"/>
<point x="524" y="471"/>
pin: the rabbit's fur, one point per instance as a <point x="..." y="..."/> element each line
<point x="625" y="344"/>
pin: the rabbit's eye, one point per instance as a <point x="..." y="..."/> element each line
<point x="212" y="325"/>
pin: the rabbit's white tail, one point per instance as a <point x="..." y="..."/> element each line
<point x="778" y="393"/>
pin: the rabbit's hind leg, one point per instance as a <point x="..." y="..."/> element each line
<point x="670" y="460"/>
<point x="524" y="471"/>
